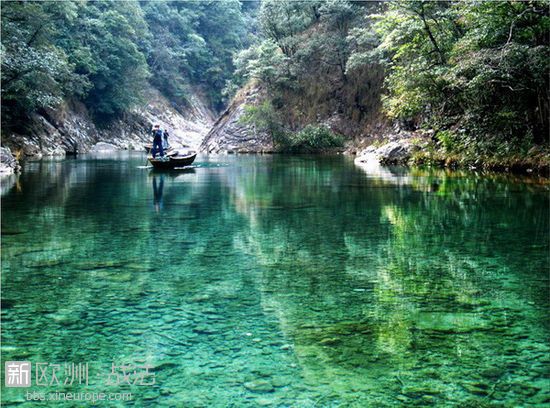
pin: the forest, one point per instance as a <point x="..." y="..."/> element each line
<point x="105" y="52"/>
<point x="473" y="73"/>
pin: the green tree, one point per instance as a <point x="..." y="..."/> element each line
<point x="173" y="48"/>
<point x="193" y="44"/>
<point x="301" y="59"/>
<point x="500" y="69"/>
<point x="479" y="66"/>
<point x="106" y="53"/>
<point x="283" y="20"/>
<point x="35" y="72"/>
<point x="110" y="38"/>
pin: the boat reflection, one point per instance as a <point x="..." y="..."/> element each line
<point x="157" y="192"/>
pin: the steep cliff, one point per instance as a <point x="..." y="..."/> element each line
<point x="229" y="135"/>
<point x="69" y="128"/>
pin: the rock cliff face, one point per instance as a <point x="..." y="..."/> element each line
<point x="69" y="128"/>
<point x="8" y="163"/>
<point x="228" y="135"/>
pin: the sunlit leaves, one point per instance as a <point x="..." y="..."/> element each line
<point x="484" y="64"/>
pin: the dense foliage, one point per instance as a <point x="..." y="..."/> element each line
<point x="301" y="59"/>
<point x="311" y="138"/>
<point x="476" y="72"/>
<point x="479" y="69"/>
<point x="194" y="42"/>
<point x="105" y="52"/>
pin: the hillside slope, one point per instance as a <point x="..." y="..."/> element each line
<point x="229" y="135"/>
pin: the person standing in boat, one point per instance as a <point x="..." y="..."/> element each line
<point x="157" y="141"/>
<point x="165" y="143"/>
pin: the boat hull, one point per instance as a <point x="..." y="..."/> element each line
<point x="173" y="162"/>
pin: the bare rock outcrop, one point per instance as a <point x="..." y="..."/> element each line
<point x="230" y="135"/>
<point x="8" y="163"/>
<point x="101" y="147"/>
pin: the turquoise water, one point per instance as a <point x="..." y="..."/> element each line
<point x="285" y="282"/>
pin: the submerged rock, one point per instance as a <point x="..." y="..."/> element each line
<point x="280" y="382"/>
<point x="200" y="298"/>
<point x="476" y="389"/>
<point x="95" y="265"/>
<point x="492" y="373"/>
<point x="46" y="263"/>
<point x="449" y="322"/>
<point x="330" y="341"/>
<point x="259" y="386"/>
<point x="203" y="329"/>
<point x="420" y="390"/>
<point x="65" y="317"/>
<point x="165" y="365"/>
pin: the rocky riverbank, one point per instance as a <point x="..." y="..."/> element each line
<point x="395" y="152"/>
<point x="69" y="129"/>
<point x="421" y="149"/>
<point x="8" y="163"/>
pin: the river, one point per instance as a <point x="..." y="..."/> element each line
<point x="278" y="281"/>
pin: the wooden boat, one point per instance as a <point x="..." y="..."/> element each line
<point x="173" y="161"/>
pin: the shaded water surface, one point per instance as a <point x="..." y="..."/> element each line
<point x="274" y="281"/>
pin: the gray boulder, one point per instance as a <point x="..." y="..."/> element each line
<point x="104" y="147"/>
<point x="397" y="152"/>
<point x="57" y="151"/>
<point x="394" y="152"/>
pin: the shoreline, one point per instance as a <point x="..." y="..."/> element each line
<point x="420" y="159"/>
<point x="421" y="153"/>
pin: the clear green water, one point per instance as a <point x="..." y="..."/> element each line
<point x="284" y="282"/>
